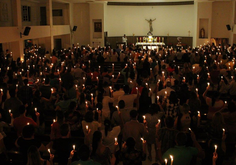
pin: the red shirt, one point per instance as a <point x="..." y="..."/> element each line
<point x="134" y="91"/>
<point x="21" y="121"/>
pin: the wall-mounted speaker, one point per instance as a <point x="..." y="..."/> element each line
<point x="228" y="27"/>
<point x="26" y="31"/>
<point x="74" y="28"/>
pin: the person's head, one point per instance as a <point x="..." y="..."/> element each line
<point x="72" y="106"/>
<point x="181" y="139"/>
<point x="22" y="109"/>
<point x="130" y="143"/>
<point x="168" y="84"/>
<point x="144" y="92"/>
<point x="88" y="116"/>
<point x="185" y="108"/>
<point x="154" y="109"/>
<point x="217" y="119"/>
<point x="97" y="138"/>
<point x="126" y="89"/>
<point x="12" y="92"/>
<point x="133" y="114"/>
<point x="25" y="82"/>
<point x="139" y="82"/>
<point x="84" y="152"/>
<point x="173" y="97"/>
<point x="121" y="104"/>
<point x="169" y="122"/>
<point x="117" y="87"/>
<point x="65" y="130"/>
<point x="28" y="131"/>
<point x="33" y="155"/>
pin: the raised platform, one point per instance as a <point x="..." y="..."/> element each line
<point x="152" y="46"/>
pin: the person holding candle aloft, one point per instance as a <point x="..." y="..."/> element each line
<point x="181" y="154"/>
<point x="214" y="103"/>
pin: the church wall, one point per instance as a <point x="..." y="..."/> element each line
<point x="130" y="20"/>
<point x="220" y="18"/>
<point x="81" y="20"/>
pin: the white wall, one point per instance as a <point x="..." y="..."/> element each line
<point x="129" y="20"/>
<point x="81" y="20"/>
<point x="64" y="19"/>
<point x="220" y="18"/>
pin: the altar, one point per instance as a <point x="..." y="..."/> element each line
<point x="152" y="46"/>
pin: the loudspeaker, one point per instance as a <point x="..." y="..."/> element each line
<point x="228" y="27"/>
<point x="74" y="28"/>
<point x="26" y="31"/>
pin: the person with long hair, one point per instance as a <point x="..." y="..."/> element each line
<point x="214" y="103"/>
<point x="144" y="101"/>
<point x="172" y="105"/>
<point x="101" y="153"/>
<point x="152" y="117"/>
<point x="34" y="157"/>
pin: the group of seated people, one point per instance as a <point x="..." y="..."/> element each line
<point x="180" y="101"/>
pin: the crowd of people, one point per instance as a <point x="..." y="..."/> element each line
<point x="114" y="105"/>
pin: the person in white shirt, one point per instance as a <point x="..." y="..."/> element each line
<point x="168" y="89"/>
<point x="124" y="39"/>
<point x="128" y="98"/>
<point x="119" y="92"/>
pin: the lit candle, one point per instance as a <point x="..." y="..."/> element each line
<point x="54" y="120"/>
<point x="9" y="110"/>
<point x="49" y="151"/>
<point x="28" y="123"/>
<point x="16" y="85"/>
<point x="166" y="93"/>
<point x="223" y="131"/>
<point x="115" y="140"/>
<point x="86" y="127"/>
<point x="91" y="96"/>
<point x="208" y="84"/>
<point x="189" y="129"/>
<point x="144" y="117"/>
<point x="159" y="120"/>
<point x="35" y="109"/>
<point x="117" y="107"/>
<point x="166" y="162"/>
<point x="119" y="73"/>
<point x="215" y="148"/>
<point x="197" y="90"/>
<point x="171" y="159"/>
<point x="73" y="147"/>
<point x="52" y="90"/>
<point x="141" y="139"/>
<point x="158" y="98"/>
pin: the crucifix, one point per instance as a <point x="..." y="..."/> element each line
<point x="150" y="24"/>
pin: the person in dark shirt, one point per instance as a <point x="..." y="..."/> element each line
<point x="26" y="93"/>
<point x="27" y="140"/>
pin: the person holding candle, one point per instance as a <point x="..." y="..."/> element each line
<point x="101" y="153"/>
<point x="84" y="157"/>
<point x="27" y="139"/>
<point x="214" y="103"/>
<point x="144" y="101"/>
<point x="139" y="131"/>
<point x="55" y="126"/>
<point x="91" y="124"/>
<point x="109" y="133"/>
<point x="216" y="136"/>
<point x="34" y="157"/>
<point x="130" y="155"/>
<point x="13" y="103"/>
<point x="22" y="120"/>
<point x="181" y="154"/>
<point x="152" y="118"/>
